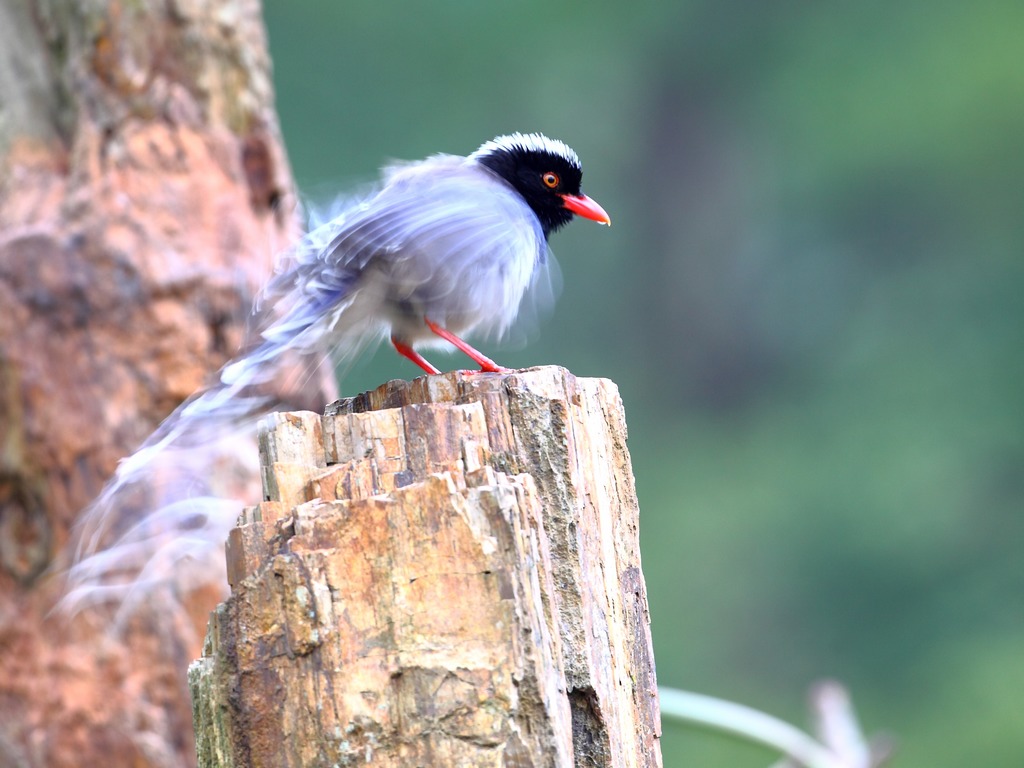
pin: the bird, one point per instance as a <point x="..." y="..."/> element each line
<point x="441" y="248"/>
<point x="449" y="245"/>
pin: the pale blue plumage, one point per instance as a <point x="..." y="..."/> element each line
<point x="444" y="238"/>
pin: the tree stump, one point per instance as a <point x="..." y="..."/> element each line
<point x="444" y="572"/>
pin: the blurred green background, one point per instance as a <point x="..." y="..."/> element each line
<point x="811" y="299"/>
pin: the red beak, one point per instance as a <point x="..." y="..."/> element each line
<point x="586" y="207"/>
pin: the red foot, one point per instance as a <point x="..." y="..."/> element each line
<point x="408" y="352"/>
<point x="485" y="363"/>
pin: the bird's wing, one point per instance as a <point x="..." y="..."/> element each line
<point x="447" y="232"/>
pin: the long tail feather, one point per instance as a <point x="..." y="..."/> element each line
<point x="163" y="517"/>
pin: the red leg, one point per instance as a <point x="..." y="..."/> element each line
<point x="408" y="352"/>
<point x="485" y="363"/>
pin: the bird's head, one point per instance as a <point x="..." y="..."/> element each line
<point x="546" y="172"/>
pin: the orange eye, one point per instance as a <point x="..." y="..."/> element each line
<point x="551" y="180"/>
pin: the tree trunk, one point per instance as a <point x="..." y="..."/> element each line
<point x="143" y="189"/>
<point x="444" y="573"/>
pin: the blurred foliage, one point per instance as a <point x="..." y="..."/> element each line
<point x="810" y="299"/>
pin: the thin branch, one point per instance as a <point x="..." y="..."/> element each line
<point x="749" y="724"/>
<point x="840" y="742"/>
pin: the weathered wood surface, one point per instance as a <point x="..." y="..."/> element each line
<point x="143" y="193"/>
<point x="445" y="573"/>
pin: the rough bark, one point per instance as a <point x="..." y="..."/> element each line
<point x="444" y="572"/>
<point x="143" y="189"/>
